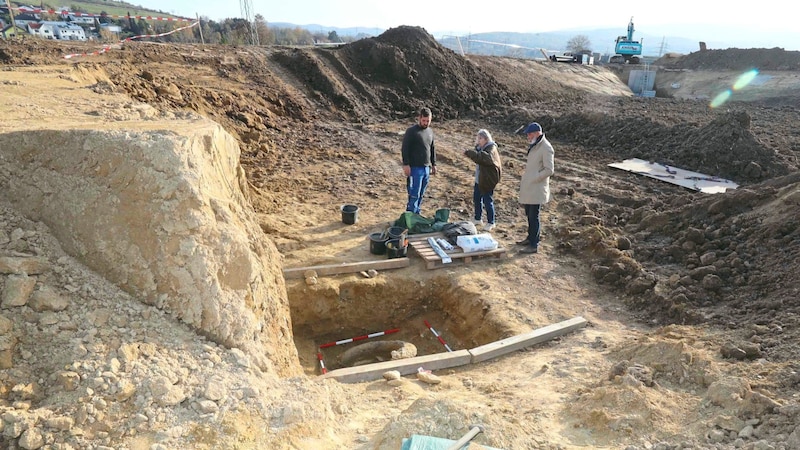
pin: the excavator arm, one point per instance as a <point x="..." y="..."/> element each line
<point x="630" y="29"/>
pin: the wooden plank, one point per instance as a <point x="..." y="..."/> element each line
<point x="419" y="244"/>
<point x="407" y="366"/>
<point x="336" y="269"/>
<point x="520" y="341"/>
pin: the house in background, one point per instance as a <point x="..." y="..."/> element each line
<point x="13" y="31"/>
<point x="58" y="30"/>
<point x="86" y="20"/>
<point x="23" y="20"/>
<point x="37" y="29"/>
<point x="111" y="28"/>
<point x="68" y="31"/>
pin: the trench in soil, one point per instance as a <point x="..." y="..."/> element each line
<point x="327" y="314"/>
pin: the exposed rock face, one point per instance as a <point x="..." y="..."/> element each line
<point x="164" y="216"/>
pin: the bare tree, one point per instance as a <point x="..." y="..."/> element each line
<point x="265" y="36"/>
<point x="579" y="44"/>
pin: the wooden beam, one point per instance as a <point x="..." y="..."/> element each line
<point x="335" y="269"/>
<point x="407" y="366"/>
<point x="521" y="341"/>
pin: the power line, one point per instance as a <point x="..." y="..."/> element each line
<point x="247" y="11"/>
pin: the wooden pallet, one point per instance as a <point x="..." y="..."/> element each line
<point x="419" y="244"/>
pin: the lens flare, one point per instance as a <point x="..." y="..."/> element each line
<point x="741" y="82"/>
<point x="721" y="98"/>
<point x="745" y="79"/>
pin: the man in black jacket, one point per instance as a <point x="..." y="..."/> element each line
<point x="419" y="159"/>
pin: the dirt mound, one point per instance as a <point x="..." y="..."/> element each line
<point x="734" y="59"/>
<point x="394" y="74"/>
<point x="29" y="52"/>
<point x="750" y="235"/>
<point x="409" y="59"/>
<point x="725" y="147"/>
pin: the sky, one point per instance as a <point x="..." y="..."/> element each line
<point x="761" y="22"/>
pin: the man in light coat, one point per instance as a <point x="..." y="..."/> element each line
<point x="534" y="188"/>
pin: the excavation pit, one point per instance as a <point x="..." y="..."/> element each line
<point x="361" y="322"/>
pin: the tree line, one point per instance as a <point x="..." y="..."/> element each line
<point x="232" y="31"/>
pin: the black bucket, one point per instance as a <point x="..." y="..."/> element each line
<point x="394" y="248"/>
<point x="377" y="243"/>
<point x="396" y="232"/>
<point x="349" y="214"/>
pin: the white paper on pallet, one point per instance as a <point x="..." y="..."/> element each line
<point x="476" y="242"/>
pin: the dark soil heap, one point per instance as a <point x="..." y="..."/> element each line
<point x="409" y="60"/>
<point x="725" y="147"/>
<point x="395" y="74"/>
<point x="735" y="59"/>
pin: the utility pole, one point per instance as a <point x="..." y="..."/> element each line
<point x="11" y="15"/>
<point x="247" y="11"/>
<point x="200" y="27"/>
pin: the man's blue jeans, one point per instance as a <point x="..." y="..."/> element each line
<point x="416" y="184"/>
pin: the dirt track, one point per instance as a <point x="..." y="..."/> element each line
<point x="692" y="298"/>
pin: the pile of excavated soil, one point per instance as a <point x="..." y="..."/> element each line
<point x="734" y="59"/>
<point x="724" y="145"/>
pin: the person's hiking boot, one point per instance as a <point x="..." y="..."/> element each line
<point x="530" y="249"/>
<point x="488" y="227"/>
<point x="525" y="242"/>
<point x="476" y="221"/>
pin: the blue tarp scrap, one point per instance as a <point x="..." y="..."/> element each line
<point x="418" y="442"/>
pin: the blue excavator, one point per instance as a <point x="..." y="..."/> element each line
<point x="627" y="50"/>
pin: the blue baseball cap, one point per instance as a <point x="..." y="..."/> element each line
<point x="533" y="127"/>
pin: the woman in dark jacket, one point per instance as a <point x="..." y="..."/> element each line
<point x="487" y="175"/>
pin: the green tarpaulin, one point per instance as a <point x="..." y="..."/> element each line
<point x="417" y="224"/>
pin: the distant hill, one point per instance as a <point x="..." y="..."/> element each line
<point x="527" y="45"/>
<point x="315" y="28"/>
